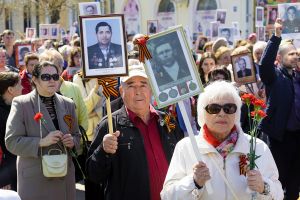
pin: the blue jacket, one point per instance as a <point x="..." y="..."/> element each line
<point x="279" y="91"/>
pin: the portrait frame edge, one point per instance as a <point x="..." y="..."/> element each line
<point x="85" y="67"/>
<point x="247" y="79"/>
<point x="192" y="69"/>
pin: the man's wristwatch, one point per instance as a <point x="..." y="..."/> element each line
<point x="266" y="189"/>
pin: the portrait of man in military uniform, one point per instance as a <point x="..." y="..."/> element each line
<point x="291" y="24"/>
<point x="104" y="54"/>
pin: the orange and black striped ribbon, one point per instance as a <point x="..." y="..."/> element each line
<point x="143" y="50"/>
<point x="169" y="124"/>
<point x="243" y="164"/>
<point x="108" y="85"/>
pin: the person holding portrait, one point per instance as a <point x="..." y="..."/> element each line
<point x="292" y="23"/>
<point x="222" y="144"/>
<point x="59" y="131"/>
<point x="104" y="54"/>
<point x="170" y="65"/>
<point x="133" y="160"/>
<point x="241" y="64"/>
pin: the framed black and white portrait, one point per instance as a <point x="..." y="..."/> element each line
<point x="243" y="68"/>
<point x="172" y="70"/>
<point x="227" y="33"/>
<point x="214" y="27"/>
<point x="259" y="16"/>
<point x="290" y="15"/>
<point x="20" y="51"/>
<point x="49" y="31"/>
<point x="89" y="8"/>
<point x="221" y="15"/>
<point x="152" y="26"/>
<point x="30" y="33"/>
<point x="103" y="45"/>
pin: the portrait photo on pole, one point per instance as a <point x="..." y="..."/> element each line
<point x="272" y="14"/>
<point x="30" y="33"/>
<point x="103" y="44"/>
<point x="172" y="69"/>
<point x="89" y="8"/>
<point x="44" y="31"/>
<point x="259" y="16"/>
<point x="290" y="15"/>
<point x="152" y="26"/>
<point x="227" y="33"/>
<point x="221" y="15"/>
<point x="20" y="51"/>
<point x="214" y="27"/>
<point x="243" y="68"/>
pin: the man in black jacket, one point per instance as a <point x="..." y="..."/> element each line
<point x="132" y="162"/>
<point x="104" y="54"/>
<point x="282" y="123"/>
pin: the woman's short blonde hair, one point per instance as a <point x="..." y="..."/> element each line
<point x="214" y="92"/>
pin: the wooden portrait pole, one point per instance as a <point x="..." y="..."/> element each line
<point x="109" y="116"/>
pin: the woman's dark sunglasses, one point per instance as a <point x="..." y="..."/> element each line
<point x="228" y="108"/>
<point x="47" y="77"/>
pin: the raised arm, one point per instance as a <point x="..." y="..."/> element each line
<point x="266" y="66"/>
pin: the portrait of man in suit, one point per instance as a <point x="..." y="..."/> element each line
<point x="170" y="63"/>
<point x="241" y="67"/>
<point x="104" y="54"/>
<point x="226" y="33"/>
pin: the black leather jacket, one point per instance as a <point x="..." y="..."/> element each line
<point x="125" y="173"/>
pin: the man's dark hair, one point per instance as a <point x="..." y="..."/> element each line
<point x="226" y="30"/>
<point x="24" y="49"/>
<point x="292" y="8"/>
<point x="102" y="24"/>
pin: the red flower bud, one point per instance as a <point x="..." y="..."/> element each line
<point x="259" y="103"/>
<point x="38" y="116"/>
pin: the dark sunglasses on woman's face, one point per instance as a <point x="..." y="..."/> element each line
<point x="47" y="77"/>
<point x="228" y="108"/>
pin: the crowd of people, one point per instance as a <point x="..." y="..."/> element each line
<point x="148" y="156"/>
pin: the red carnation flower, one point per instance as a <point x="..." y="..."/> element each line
<point x="248" y="98"/>
<point x="259" y="113"/>
<point x="258" y="103"/>
<point x="38" y="116"/>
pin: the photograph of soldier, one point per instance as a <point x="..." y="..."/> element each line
<point x="104" y="54"/>
<point x="241" y="68"/>
<point x="30" y="33"/>
<point x="169" y="64"/>
<point x="291" y="22"/>
<point x="221" y="16"/>
<point x="152" y="27"/>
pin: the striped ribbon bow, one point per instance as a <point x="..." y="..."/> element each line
<point x="169" y="124"/>
<point x="143" y="50"/>
<point x="108" y="85"/>
<point x="243" y="164"/>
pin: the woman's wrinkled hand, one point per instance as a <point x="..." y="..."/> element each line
<point x="68" y="141"/>
<point x="255" y="181"/>
<point x="201" y="173"/>
<point x="52" y="138"/>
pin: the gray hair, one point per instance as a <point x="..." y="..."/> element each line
<point x="259" y="45"/>
<point x="216" y="91"/>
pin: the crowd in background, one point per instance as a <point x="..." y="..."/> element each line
<point x="214" y="63"/>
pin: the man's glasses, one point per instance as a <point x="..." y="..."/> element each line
<point x="228" y="108"/>
<point x="47" y="77"/>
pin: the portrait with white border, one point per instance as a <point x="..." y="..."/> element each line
<point x="89" y="8"/>
<point x="243" y="68"/>
<point x="172" y="69"/>
<point x="103" y="44"/>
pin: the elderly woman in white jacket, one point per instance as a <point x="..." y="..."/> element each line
<point x="222" y="145"/>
